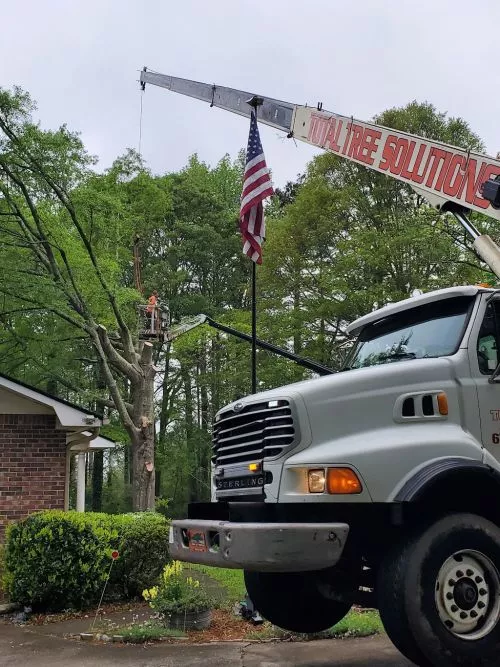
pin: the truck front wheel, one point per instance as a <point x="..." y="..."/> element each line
<point x="300" y="601"/>
<point x="439" y="593"/>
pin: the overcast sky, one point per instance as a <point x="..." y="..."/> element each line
<point x="80" y="59"/>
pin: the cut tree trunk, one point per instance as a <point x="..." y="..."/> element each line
<point x="142" y="438"/>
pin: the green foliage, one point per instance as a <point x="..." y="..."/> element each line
<point x="162" y="507"/>
<point x="358" y="623"/>
<point x="59" y="560"/>
<point x="341" y="241"/>
<point x="349" y="240"/>
<point x="56" y="560"/>
<point x="177" y="593"/>
<point x="143" y="546"/>
<point x="116" y="493"/>
<point x="2" y="570"/>
<point x="117" y="489"/>
<point x="146" y="632"/>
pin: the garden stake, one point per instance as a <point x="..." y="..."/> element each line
<point x="114" y="556"/>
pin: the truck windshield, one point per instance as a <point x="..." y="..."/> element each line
<point x="431" y="330"/>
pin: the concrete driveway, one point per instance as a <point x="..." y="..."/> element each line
<point x="28" y="646"/>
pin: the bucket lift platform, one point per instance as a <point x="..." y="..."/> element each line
<point x="153" y="321"/>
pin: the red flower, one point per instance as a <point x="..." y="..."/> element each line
<point x="115" y="555"/>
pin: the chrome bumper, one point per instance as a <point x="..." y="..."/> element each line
<point x="271" y="547"/>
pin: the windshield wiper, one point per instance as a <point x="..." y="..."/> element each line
<point x="400" y="355"/>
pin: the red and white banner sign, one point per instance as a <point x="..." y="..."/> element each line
<point x="438" y="169"/>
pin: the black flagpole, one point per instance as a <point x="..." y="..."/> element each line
<point x="254" y="329"/>
<point x="255" y="102"/>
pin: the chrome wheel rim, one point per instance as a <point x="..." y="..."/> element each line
<point x="467" y="594"/>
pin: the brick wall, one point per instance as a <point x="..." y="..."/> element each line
<point x="32" y="466"/>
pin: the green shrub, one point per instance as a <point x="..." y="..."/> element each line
<point x="143" y="548"/>
<point x="2" y="570"/>
<point x="162" y="507"/>
<point x="58" y="560"/>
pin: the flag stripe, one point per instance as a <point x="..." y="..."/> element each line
<point x="254" y="181"/>
<point x="261" y="164"/>
<point x="252" y="216"/>
<point x="257" y="185"/>
<point x="258" y="158"/>
<point x="257" y="195"/>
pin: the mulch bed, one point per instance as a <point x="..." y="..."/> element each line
<point x="225" y="626"/>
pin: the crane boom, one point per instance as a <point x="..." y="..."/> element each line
<point x="450" y="178"/>
<point x="189" y="323"/>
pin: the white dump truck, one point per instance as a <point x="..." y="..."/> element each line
<point x="379" y="484"/>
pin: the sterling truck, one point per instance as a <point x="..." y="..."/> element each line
<point x="379" y="484"/>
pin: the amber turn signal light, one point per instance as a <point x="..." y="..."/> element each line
<point x="342" y="481"/>
<point x="442" y="400"/>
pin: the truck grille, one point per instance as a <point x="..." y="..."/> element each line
<point x="256" y="432"/>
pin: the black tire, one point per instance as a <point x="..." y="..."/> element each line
<point x="299" y="601"/>
<point x="422" y="593"/>
<point x="391" y="605"/>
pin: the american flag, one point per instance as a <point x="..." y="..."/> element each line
<point x="257" y="185"/>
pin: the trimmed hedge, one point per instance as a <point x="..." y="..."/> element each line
<point x="143" y="547"/>
<point x="58" y="560"/>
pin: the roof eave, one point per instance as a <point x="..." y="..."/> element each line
<point x="68" y="416"/>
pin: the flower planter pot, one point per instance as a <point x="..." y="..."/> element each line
<point x="190" y="620"/>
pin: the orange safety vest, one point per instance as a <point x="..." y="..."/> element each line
<point x="152" y="303"/>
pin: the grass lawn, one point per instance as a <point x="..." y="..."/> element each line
<point x="357" y="623"/>
<point x="231" y="580"/>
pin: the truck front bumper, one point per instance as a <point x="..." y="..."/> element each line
<point x="263" y="546"/>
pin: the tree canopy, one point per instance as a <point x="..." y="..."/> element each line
<point x="342" y="240"/>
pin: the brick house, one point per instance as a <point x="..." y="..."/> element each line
<point x="38" y="436"/>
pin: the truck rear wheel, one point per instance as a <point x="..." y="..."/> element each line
<point x="300" y="601"/>
<point x="439" y="593"/>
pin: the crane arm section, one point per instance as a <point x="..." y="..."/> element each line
<point x="271" y="112"/>
<point x="446" y="175"/>
<point x="449" y="178"/>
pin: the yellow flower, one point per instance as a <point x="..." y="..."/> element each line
<point x="150" y="594"/>
<point x="172" y="570"/>
<point x="192" y="582"/>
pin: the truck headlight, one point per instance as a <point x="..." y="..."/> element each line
<point x="337" y="481"/>
<point x="316" y="481"/>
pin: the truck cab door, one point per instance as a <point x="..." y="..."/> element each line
<point x="484" y="358"/>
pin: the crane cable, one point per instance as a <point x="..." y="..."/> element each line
<point x="140" y="124"/>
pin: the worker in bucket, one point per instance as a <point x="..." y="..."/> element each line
<point x="151" y="311"/>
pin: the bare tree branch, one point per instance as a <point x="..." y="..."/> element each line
<point x="106" y="402"/>
<point x="64" y="199"/>
<point x="50" y="309"/>
<point x="118" y="401"/>
<point x="116" y="359"/>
